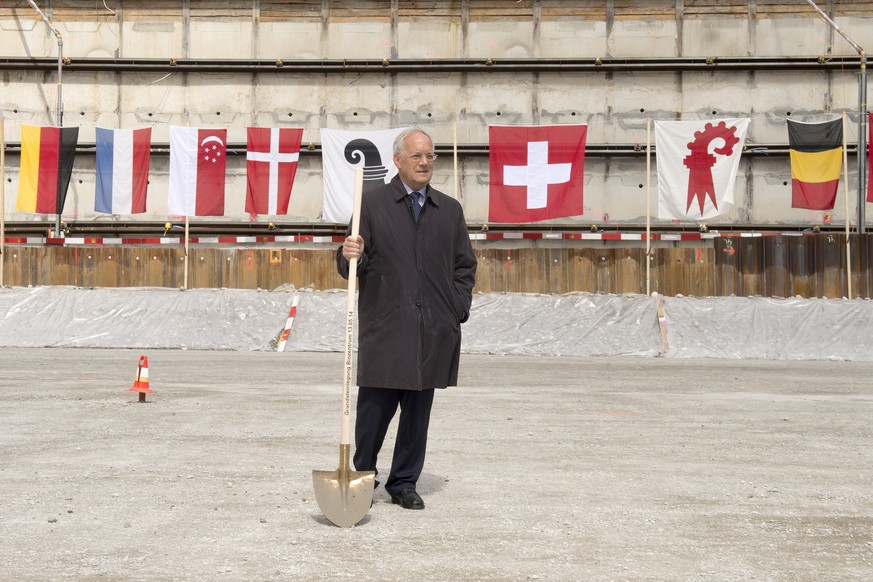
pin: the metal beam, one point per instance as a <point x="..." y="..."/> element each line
<point x="465" y="150"/>
<point x="422" y="66"/>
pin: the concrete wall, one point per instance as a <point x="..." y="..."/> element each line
<point x="616" y="106"/>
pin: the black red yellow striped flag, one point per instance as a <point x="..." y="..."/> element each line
<point x="46" y="167"/>
<point x="816" y="151"/>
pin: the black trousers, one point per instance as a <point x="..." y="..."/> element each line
<point x="375" y="409"/>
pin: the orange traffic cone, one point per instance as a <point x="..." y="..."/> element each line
<point x="141" y="382"/>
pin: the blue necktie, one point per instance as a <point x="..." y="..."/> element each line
<point x="416" y="205"/>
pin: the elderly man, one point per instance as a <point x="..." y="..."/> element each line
<point x="417" y="270"/>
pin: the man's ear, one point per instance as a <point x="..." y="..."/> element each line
<point x="397" y="161"/>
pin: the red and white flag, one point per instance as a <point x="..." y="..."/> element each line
<point x="197" y="171"/>
<point x="869" y="158"/>
<point x="697" y="166"/>
<point x="536" y="172"/>
<point x="271" y="164"/>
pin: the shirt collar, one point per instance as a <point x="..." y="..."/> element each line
<point x="410" y="190"/>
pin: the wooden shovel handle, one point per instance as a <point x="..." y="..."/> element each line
<point x="345" y="410"/>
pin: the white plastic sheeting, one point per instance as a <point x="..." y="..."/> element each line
<point x="770" y="329"/>
<point x="578" y="324"/>
<point x="575" y="324"/>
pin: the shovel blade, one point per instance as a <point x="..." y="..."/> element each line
<point x="344" y="496"/>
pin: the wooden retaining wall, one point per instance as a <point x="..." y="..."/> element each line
<point x="775" y="266"/>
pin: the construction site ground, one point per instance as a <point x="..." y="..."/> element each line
<point x="539" y="468"/>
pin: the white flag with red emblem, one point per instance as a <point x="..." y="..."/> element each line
<point x="536" y="172"/>
<point x="697" y="165"/>
<point x="197" y="171"/>
<point x="271" y="164"/>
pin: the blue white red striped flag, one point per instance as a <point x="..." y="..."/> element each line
<point x="122" y="170"/>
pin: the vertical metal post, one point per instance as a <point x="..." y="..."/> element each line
<point x="862" y="120"/>
<point x="2" y="200"/>
<point x="862" y="146"/>
<point x="60" y="108"/>
<point x="649" y="206"/>
<point x="846" y="186"/>
<point x="185" y="258"/>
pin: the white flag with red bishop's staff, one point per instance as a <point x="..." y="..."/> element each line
<point x="697" y="163"/>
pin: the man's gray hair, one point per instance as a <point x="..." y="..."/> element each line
<point x="398" y="141"/>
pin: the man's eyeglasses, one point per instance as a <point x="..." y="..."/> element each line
<point x="418" y="157"/>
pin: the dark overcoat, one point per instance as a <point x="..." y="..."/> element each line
<point x="415" y="289"/>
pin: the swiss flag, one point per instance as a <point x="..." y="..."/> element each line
<point x="536" y="172"/>
<point x="197" y="171"/>
<point x="271" y="164"/>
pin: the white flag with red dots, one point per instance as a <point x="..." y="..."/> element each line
<point x="198" y="159"/>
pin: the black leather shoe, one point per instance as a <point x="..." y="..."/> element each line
<point x="408" y="499"/>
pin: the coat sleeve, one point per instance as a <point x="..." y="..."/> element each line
<point x="465" y="266"/>
<point x="342" y="264"/>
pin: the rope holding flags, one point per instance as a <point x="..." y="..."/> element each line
<point x="536" y="173"/>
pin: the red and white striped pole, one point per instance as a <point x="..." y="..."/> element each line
<point x="283" y="339"/>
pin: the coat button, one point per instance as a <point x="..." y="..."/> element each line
<point x="418" y="302"/>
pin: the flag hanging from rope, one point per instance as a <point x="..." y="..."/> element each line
<point x="536" y="172"/>
<point x="272" y="154"/>
<point x="697" y="163"/>
<point x="342" y="153"/>
<point x="122" y="170"/>
<point x="197" y="171"/>
<point x="47" y="155"/>
<point x="816" y="151"/>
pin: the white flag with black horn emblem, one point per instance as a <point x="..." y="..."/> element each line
<point x="344" y="151"/>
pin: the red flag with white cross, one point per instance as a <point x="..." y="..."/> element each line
<point x="536" y="172"/>
<point x="272" y="154"/>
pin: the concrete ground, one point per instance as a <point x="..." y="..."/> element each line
<point x="539" y="468"/>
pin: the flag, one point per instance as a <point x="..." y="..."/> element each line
<point x="869" y="157"/>
<point x="46" y="167"/>
<point x="344" y="151"/>
<point x="816" y="151"/>
<point x="271" y="164"/>
<point x="697" y="163"/>
<point x="122" y="170"/>
<point x="197" y="164"/>
<point x="536" y="172"/>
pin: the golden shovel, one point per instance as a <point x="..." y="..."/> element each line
<point x="345" y="496"/>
